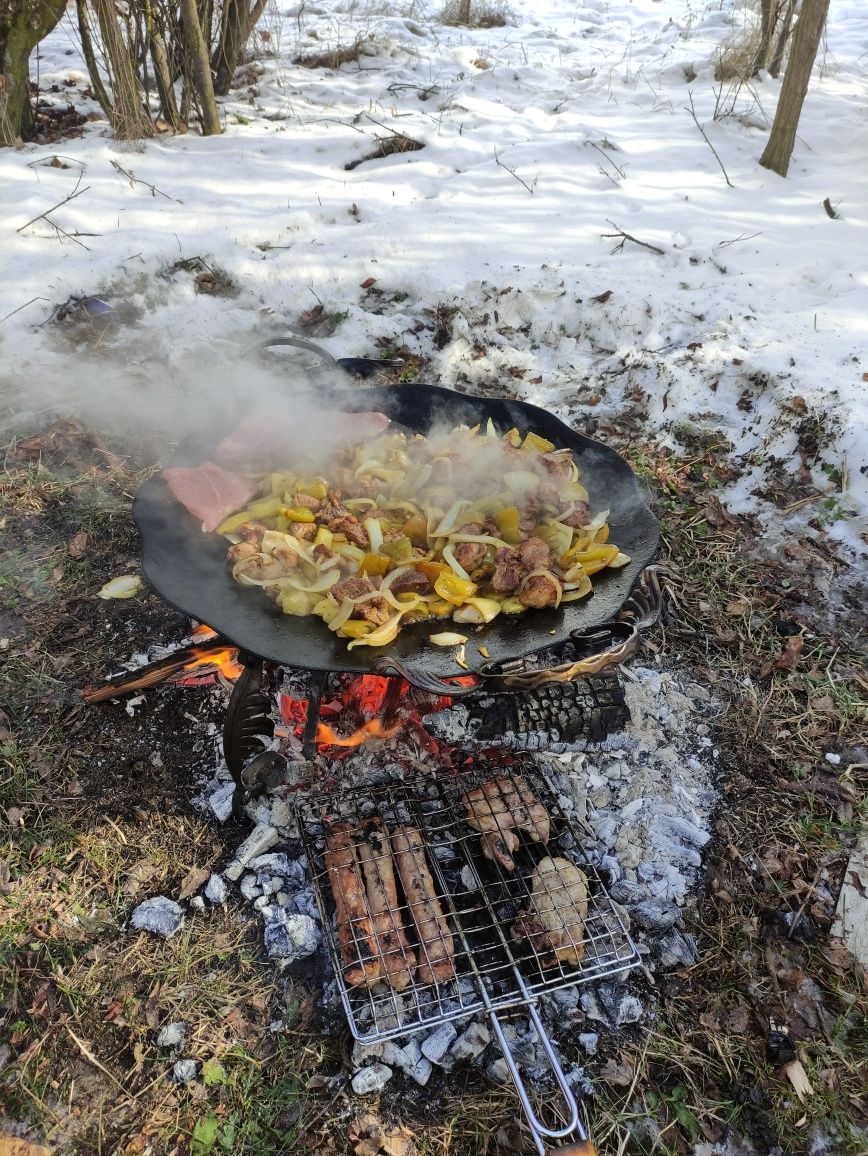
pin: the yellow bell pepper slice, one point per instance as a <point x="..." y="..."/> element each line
<point x="454" y="589"/>
<point x="513" y="437"/>
<point x="508" y="523"/>
<point x="297" y="513"/>
<point x="540" y="445"/>
<point x="355" y="628"/>
<point x="375" y="564"/>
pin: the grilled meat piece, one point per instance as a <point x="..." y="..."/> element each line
<point x="351" y="528"/>
<point x="539" y="590"/>
<point x="304" y="531"/>
<point x="469" y="554"/>
<point x="580" y="516"/>
<point x="305" y="502"/>
<point x="436" y="947"/>
<point x="356" y="939"/>
<point x="396" y="955"/>
<point x="507" y="571"/>
<point x="497" y="808"/>
<point x="535" y="554"/>
<point x="413" y="582"/>
<point x="241" y="550"/>
<point x="252" y="532"/>
<point x="375" y="610"/>
<point x="555" y="918"/>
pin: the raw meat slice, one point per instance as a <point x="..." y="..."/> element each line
<point x="209" y="492"/>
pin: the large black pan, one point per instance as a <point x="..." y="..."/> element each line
<point x="188" y="568"/>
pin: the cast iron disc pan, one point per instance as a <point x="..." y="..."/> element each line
<point x="188" y="567"/>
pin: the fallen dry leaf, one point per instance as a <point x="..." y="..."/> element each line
<point x="13" y="1146"/>
<point x="790" y="654"/>
<point x="368" y="282"/>
<point x="193" y="880"/>
<point x="77" y="548"/>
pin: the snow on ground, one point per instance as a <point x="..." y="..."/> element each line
<point x="569" y="122"/>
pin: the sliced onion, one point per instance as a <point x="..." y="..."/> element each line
<point x="449" y="556"/>
<point x="482" y="539"/>
<point x="521" y="481"/>
<point x="383" y="635"/>
<point x="619" y="560"/>
<point x="273" y="539"/>
<point x="360" y="503"/>
<point x="345" y="612"/>
<point x="596" y="522"/>
<point x="447" y="638"/>
<point x="375" y="534"/>
<point x="449" y="518"/>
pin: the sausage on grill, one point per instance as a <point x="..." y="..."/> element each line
<point x="396" y="955"/>
<point x="436" y="948"/>
<point x="355" y="931"/>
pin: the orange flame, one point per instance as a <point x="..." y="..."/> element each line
<point x="225" y="661"/>
<point x="372" y="729"/>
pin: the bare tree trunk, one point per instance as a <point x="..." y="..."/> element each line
<point x="236" y="24"/>
<point x="463" y="16"/>
<point x="99" y="89"/>
<point x="774" y="65"/>
<point x="162" y="71"/>
<point x="23" y="23"/>
<point x="806" y="41"/>
<point x="128" y="117"/>
<point x="200" y="67"/>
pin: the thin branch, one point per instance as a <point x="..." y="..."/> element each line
<point x="692" y="112"/>
<point x="606" y="157"/>
<point x="740" y="237"/>
<point x="76" y="192"/>
<point x="20" y="307"/>
<point x="134" y="180"/>
<point x="619" y="232"/>
<point x="530" y="188"/>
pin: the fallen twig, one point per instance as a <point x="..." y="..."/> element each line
<point x="619" y="232"/>
<point x="530" y="188"/>
<point x="830" y="210"/>
<point x="76" y="192"/>
<point x="692" y="112"/>
<point x="20" y="307"/>
<point x="134" y="180"/>
<point x="741" y="237"/>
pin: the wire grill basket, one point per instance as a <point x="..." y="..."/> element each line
<point x="458" y="895"/>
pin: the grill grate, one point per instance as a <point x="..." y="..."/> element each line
<point x="480" y="899"/>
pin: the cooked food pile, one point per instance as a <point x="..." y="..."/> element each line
<point x="386" y="899"/>
<point x="462" y="525"/>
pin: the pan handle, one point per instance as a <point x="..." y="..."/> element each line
<point x="539" y="1130"/>
<point x="328" y="362"/>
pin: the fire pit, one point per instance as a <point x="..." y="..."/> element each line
<point x="518" y="908"/>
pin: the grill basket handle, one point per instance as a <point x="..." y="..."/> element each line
<point x="539" y="1131"/>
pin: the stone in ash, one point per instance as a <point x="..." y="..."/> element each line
<point x="261" y="839"/>
<point x="371" y="1079"/>
<point x="172" y="1035"/>
<point x="216" y="891"/>
<point x="159" y="915"/>
<point x="439" y="1043"/>
<point x="289" y="937"/>
<point x="184" y="1071"/>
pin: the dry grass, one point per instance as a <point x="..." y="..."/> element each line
<point x="474" y="14"/>
<point x="334" y="57"/>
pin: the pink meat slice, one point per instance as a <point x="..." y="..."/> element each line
<point x="209" y="492"/>
<point x="274" y="440"/>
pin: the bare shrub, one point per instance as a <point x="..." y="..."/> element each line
<point x="475" y="13"/>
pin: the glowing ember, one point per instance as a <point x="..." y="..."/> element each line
<point x="369" y="707"/>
